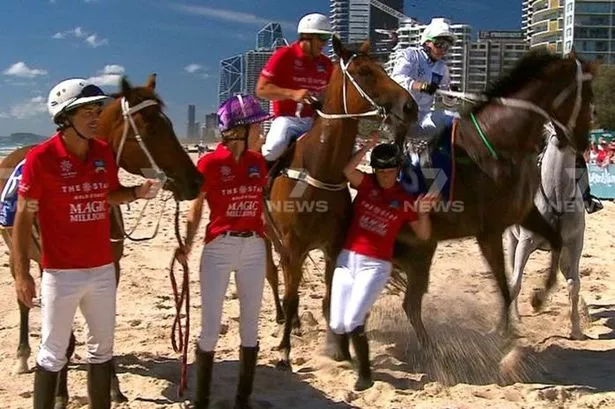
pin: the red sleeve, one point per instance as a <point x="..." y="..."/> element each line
<point x="277" y="64"/>
<point x="31" y="185"/>
<point x="201" y="166"/>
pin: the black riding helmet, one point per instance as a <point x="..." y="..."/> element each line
<point x="386" y="156"/>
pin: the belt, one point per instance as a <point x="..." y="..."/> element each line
<point x="239" y="233"/>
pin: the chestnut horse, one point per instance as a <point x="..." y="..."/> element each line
<point x="310" y="203"/>
<point x="496" y="184"/>
<point x="144" y="142"/>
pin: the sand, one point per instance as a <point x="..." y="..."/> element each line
<point x="546" y="370"/>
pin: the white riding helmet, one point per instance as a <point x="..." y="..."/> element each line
<point x="314" y="23"/>
<point x="438" y="28"/>
<point x="72" y="93"/>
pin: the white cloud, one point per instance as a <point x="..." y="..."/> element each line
<point x="20" y="69"/>
<point x="192" y="68"/>
<point x="26" y="109"/>
<point x="230" y="15"/>
<point x="92" y="39"/>
<point x="110" y="75"/>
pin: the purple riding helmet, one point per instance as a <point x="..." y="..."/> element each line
<point x="240" y="110"/>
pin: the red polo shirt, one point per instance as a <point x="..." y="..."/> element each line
<point x="289" y="67"/>
<point x="378" y="215"/>
<point x="73" y="208"/>
<point x="234" y="191"/>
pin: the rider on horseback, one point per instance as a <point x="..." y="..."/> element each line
<point x="422" y="70"/>
<point x="292" y="75"/>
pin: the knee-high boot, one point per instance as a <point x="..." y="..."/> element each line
<point x="204" y="367"/>
<point x="44" y="388"/>
<point x="247" y="367"/>
<point x="99" y="385"/>
<point x="361" y="348"/>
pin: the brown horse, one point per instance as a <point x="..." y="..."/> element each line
<point x="496" y="183"/>
<point x="310" y="202"/>
<point x="135" y="127"/>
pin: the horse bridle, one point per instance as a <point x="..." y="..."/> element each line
<point x="157" y="172"/>
<point x="568" y="129"/>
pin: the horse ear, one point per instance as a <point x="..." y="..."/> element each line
<point x="338" y="48"/>
<point x="151" y="81"/>
<point x="364" y="49"/>
<point x="126" y="87"/>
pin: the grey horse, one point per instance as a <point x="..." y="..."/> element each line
<point x="560" y="202"/>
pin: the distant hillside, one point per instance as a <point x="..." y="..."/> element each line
<point x="21" y="138"/>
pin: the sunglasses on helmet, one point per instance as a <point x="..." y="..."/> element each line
<point x="91" y="91"/>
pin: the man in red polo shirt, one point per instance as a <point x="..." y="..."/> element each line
<point x="235" y="177"/>
<point x="290" y="77"/>
<point x="68" y="183"/>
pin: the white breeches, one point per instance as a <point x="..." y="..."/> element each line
<point x="93" y="290"/>
<point x="246" y="256"/>
<point x="283" y="130"/>
<point x="357" y="282"/>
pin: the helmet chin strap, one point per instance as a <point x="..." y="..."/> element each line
<point x="72" y="125"/>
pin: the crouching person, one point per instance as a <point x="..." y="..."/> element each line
<point x="363" y="268"/>
<point x="235" y="178"/>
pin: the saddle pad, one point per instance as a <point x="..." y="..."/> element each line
<point x="8" y="198"/>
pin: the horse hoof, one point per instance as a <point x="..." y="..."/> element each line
<point x="284" y="365"/>
<point x="363" y="383"/>
<point x="61" y="403"/>
<point x="578" y="336"/>
<point x="118" y="397"/>
<point x="296" y="331"/>
<point x="21" y="367"/>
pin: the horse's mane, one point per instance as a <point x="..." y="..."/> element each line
<point x="530" y="66"/>
<point x="140" y="94"/>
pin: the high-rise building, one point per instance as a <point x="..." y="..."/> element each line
<point x="561" y="24"/>
<point x="269" y="37"/>
<point x="190" y="129"/>
<point x="526" y="19"/>
<point x="358" y="20"/>
<point x="409" y="35"/>
<point x="231" y="77"/>
<point x="492" y="56"/>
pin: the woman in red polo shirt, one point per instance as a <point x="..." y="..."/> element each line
<point x="68" y="182"/>
<point x="380" y="209"/>
<point x="234" y="181"/>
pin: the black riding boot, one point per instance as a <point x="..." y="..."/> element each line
<point x="44" y="388"/>
<point x="247" y="366"/>
<point x="204" y="367"/>
<point x="99" y="385"/>
<point x="342" y="345"/>
<point x="361" y="348"/>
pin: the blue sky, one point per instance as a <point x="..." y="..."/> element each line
<point x="45" y="41"/>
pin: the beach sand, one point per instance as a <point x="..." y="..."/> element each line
<point x="546" y="370"/>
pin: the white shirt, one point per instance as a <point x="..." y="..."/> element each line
<point x="413" y="64"/>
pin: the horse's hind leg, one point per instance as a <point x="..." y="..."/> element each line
<point x="416" y="262"/>
<point x="23" y="349"/>
<point x="536" y="223"/>
<point x="493" y="250"/>
<point x="272" y="279"/>
<point x="569" y="264"/>
<point x="519" y="251"/>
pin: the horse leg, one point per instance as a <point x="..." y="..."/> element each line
<point x="23" y="349"/>
<point x="61" y="401"/>
<point x="536" y="223"/>
<point x="493" y="250"/>
<point x="569" y="264"/>
<point x="416" y="262"/>
<point x="519" y="252"/>
<point x="116" y="393"/>
<point x="336" y="346"/>
<point x="272" y="279"/>
<point x="293" y="273"/>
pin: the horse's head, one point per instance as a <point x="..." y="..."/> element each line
<point x="142" y="136"/>
<point x="360" y="87"/>
<point x="572" y="106"/>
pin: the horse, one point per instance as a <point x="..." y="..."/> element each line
<point x="309" y="202"/>
<point x="494" y="175"/>
<point x="144" y="142"/>
<point x="559" y="201"/>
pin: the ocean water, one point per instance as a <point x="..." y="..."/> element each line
<point x="6" y="148"/>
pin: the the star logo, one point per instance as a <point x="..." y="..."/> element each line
<point x="66" y="166"/>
